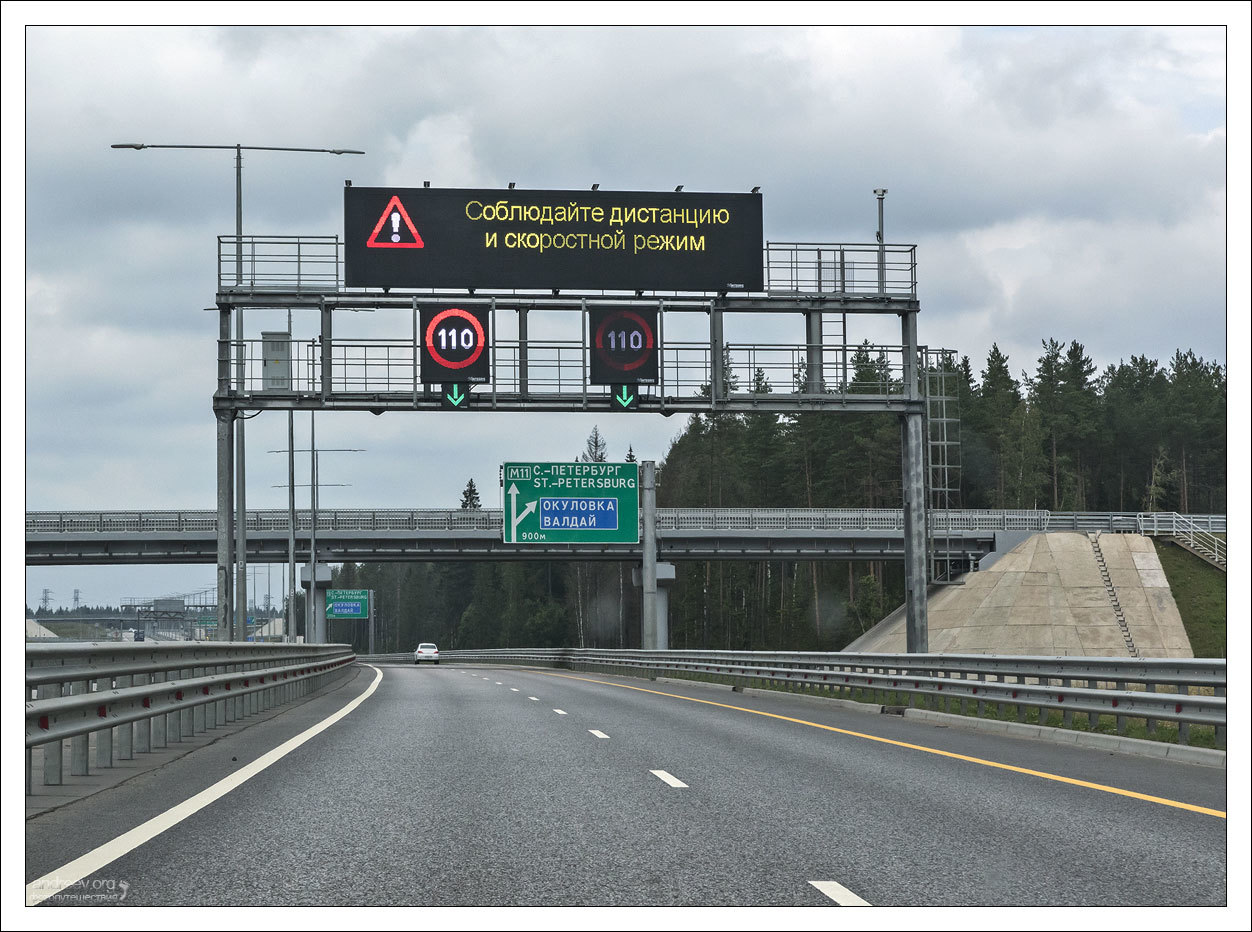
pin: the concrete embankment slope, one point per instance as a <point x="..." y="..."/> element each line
<point x="1048" y="597"/>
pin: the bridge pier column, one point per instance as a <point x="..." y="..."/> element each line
<point x="317" y="595"/>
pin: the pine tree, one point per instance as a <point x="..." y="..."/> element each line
<point x="1045" y="400"/>
<point x="469" y="498"/>
<point x="597" y="448"/>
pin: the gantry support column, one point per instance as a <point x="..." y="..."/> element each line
<point x="225" y="484"/>
<point x="912" y="445"/>
<point x="647" y="501"/>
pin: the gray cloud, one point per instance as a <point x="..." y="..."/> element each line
<point x="1065" y="183"/>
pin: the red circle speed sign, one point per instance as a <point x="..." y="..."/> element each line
<point x="454" y="332"/>
<point x="624" y="340"/>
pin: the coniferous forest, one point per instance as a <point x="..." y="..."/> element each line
<point x="1139" y="436"/>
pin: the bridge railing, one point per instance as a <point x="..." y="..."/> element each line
<point x="1198" y="532"/>
<point x="1184" y="691"/>
<point x="138" y="697"/>
<point x="675" y="519"/>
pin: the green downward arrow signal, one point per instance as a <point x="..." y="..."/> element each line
<point x="455" y="396"/>
<point x="624" y="398"/>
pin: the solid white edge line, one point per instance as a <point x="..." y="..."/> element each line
<point x="598" y="734"/>
<point x="839" y="893"/>
<point x="68" y="874"/>
<point x="668" y="778"/>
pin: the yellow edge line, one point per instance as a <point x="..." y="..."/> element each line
<point x="913" y="747"/>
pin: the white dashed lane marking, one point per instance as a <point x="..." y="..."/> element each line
<point x="559" y="711"/>
<point x="668" y="778"/>
<point x="839" y="893"/>
<point x="598" y="734"/>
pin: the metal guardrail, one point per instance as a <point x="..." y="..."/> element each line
<point x="137" y="697"/>
<point x="1166" y="688"/>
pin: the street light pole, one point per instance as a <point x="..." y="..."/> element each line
<point x="240" y="629"/>
<point x="236" y="622"/>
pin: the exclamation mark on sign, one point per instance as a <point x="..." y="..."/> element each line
<point x="395" y="226"/>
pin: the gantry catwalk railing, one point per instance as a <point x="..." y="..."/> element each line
<point x="304" y="263"/>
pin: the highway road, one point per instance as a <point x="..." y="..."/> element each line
<point x="451" y="785"/>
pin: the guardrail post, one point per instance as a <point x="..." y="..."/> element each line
<point x="53" y="751"/>
<point x="219" y="707"/>
<point x="229" y="701"/>
<point x="1120" y="719"/>
<point x="198" y="713"/>
<point x="125" y="732"/>
<point x="187" y="723"/>
<point x="173" y="720"/>
<point x="1151" y="723"/>
<point x="1184" y="728"/>
<point x="1067" y="718"/>
<point x="1219" y="731"/>
<point x="143" y="727"/>
<point x="158" y="721"/>
<point x="104" y="737"/>
<point x="79" y="743"/>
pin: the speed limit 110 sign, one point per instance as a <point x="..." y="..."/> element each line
<point x="455" y="344"/>
<point x="624" y="346"/>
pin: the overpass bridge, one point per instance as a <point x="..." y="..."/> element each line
<point x="394" y="535"/>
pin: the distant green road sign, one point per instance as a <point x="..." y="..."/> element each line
<point x="571" y="503"/>
<point x="347" y="603"/>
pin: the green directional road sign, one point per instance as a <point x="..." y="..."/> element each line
<point x="625" y="398"/>
<point x="347" y="603"/>
<point x="455" y="395"/>
<point x="580" y="503"/>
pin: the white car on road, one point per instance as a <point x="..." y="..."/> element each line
<point x="426" y="652"/>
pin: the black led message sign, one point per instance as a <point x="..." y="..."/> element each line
<point x="616" y="240"/>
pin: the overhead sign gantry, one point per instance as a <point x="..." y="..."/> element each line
<point x="620" y="265"/>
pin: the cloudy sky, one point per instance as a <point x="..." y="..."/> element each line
<point x="1067" y="183"/>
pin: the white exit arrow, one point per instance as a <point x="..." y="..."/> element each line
<point x="517" y="519"/>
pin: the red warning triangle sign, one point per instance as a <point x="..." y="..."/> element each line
<point x="393" y="216"/>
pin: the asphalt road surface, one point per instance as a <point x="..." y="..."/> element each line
<point x="454" y="786"/>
